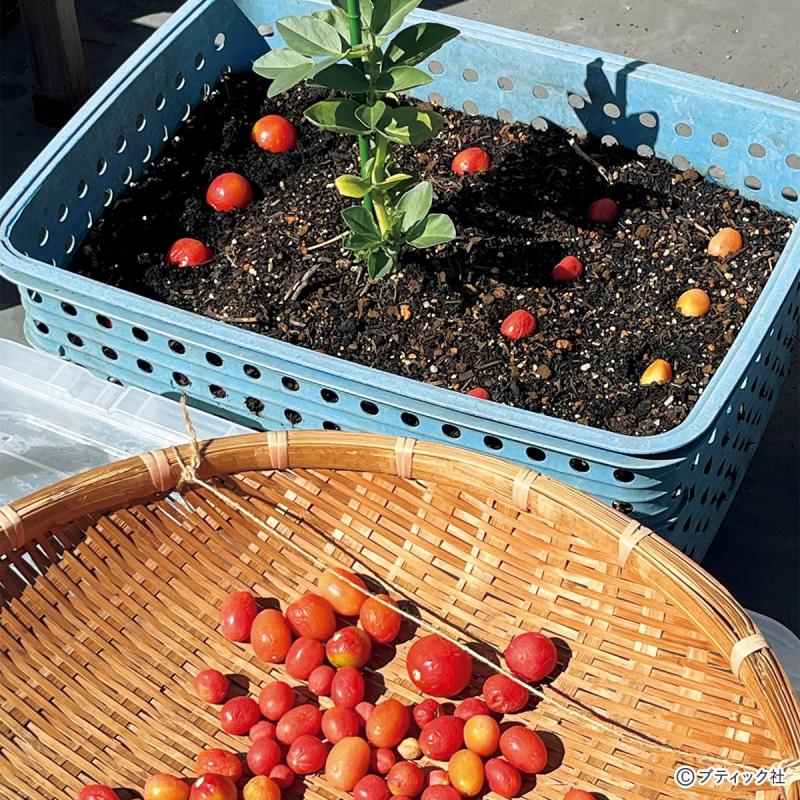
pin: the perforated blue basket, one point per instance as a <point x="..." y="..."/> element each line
<point x="680" y="482"/>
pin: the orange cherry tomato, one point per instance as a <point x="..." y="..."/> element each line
<point x="388" y="723"/>
<point x="343" y="597"/>
<point x="236" y="616"/>
<point x="503" y="778"/>
<point x="270" y="636"/>
<point x="348" y="762"/>
<point x="466" y="772"/>
<point x="726" y="242"/>
<point x="578" y="794"/>
<point x="166" y="787"/>
<point x="213" y="787"/>
<point x="220" y="762"/>
<point x="261" y="788"/>
<point x="381" y="623"/>
<point x="274" y="134"/>
<point x="524" y="749"/>
<point x="312" y="616"/>
<point x="482" y="734"/>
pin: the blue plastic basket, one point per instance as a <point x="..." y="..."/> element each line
<point x="680" y="482"/>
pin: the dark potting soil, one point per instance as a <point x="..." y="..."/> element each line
<point x="279" y="271"/>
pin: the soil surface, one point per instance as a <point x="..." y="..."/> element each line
<point x="437" y="319"/>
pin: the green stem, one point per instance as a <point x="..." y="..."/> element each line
<point x="354" y="21"/>
<point x="378" y="174"/>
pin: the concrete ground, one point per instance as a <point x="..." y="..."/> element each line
<point x="757" y="552"/>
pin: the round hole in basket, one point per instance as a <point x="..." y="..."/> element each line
<point x="252" y="372"/>
<point x="329" y="396"/>
<point x="292" y="416"/>
<point x="330" y="426"/>
<point x="412" y="420"/>
<point x="254" y="404"/>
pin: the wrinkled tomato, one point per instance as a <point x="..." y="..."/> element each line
<point x="347" y="687"/>
<point x="238" y="715"/>
<point x="347" y="764"/>
<point x="306" y="755"/>
<point x="503" y="695"/>
<point x="470" y="707"/>
<point x="438" y="667"/>
<point x="531" y="656"/>
<point x="270" y="636"/>
<point x="442" y="737"/>
<point x="276" y="699"/>
<point x="524" y="749"/>
<point x="339" y="723"/>
<point x="303" y="720"/>
<point x="346" y="599"/>
<point x="236" y="616"/>
<point x="380" y="622"/>
<point x="349" y="647"/>
<point x="304" y="656"/>
<point x="426" y="711"/>
<point x="388" y="723"/>
<point x="219" y="762"/>
<point x="502" y="777"/>
<point x="312" y="616"/>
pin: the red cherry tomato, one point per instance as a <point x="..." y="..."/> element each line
<point x="381" y="623"/>
<point x="97" y="791"/>
<point x="388" y="723"/>
<point x="263" y="730"/>
<point x="236" y="616"/>
<point x="339" y="723"/>
<point x="364" y="709"/>
<point x="440" y="791"/>
<point x="275" y="134"/>
<point x="346" y="599"/>
<point x="211" y="685"/>
<point x="189" y="253"/>
<point x="524" y="749"/>
<point x="304" y="656"/>
<point x="442" y="737"/>
<point x="320" y="680"/>
<point x="504" y="696"/>
<point x="347" y="764"/>
<point x="349" y="647"/>
<point x="473" y="159"/>
<point x="568" y="269"/>
<point x="166" y="787"/>
<point x="604" y="211"/>
<point x="438" y="667"/>
<point x="518" y="324"/>
<point x="238" y="715"/>
<point x="213" y="787"/>
<point x="371" y="787"/>
<point x="578" y="794"/>
<point x="219" y="762"/>
<point x="347" y="688"/>
<point x="306" y="755"/>
<point x="470" y="707"/>
<point x="406" y="778"/>
<point x="312" y="616"/>
<point x="480" y="393"/>
<point x="382" y="760"/>
<point x="276" y="699"/>
<point x="282" y="775"/>
<point x="263" y="755"/>
<point x="426" y="711"/>
<point x="502" y="777"/>
<point x="531" y="656"/>
<point x="300" y="721"/>
<point x="270" y="636"/>
<point x="229" y="192"/>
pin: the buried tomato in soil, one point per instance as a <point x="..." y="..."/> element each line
<point x="426" y="711"/>
<point x="306" y="755"/>
<point x="524" y="749"/>
<point x="406" y="778"/>
<point x="276" y="698"/>
<point x="388" y="723"/>
<point x="300" y="721"/>
<point x="339" y="723"/>
<point x="442" y="737"/>
<point x="478" y="392"/>
<point x="438" y="667"/>
<point x="274" y="133"/>
<point x="347" y="687"/>
<point x="568" y="269"/>
<point x="371" y="787"/>
<point x="165" y="787"/>
<point x="211" y="685"/>
<point x="380" y="622"/>
<point x="219" y="762"/>
<point x="346" y="599"/>
<point x="97" y="791"/>
<point x="518" y="324"/>
<point x="466" y="773"/>
<point x="725" y="242"/>
<point x="603" y="211"/>
<point x="270" y="636"/>
<point x="261" y="788"/>
<point x="502" y="777"/>
<point x="349" y="647"/>
<point x="658" y="372"/>
<point x="304" y="656"/>
<point x="188" y="252"/>
<point x="473" y="159"/>
<point x="263" y="756"/>
<point x="347" y="763"/>
<point x="531" y="656"/>
<point x="238" y="715"/>
<point x="213" y="787"/>
<point x="229" y="192"/>
<point x="504" y="696"/>
<point x="470" y="707"/>
<point x="236" y="616"/>
<point x="311" y="616"/>
<point x="320" y="680"/>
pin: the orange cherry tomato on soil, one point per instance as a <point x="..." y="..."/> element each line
<point x="219" y="762"/>
<point x="282" y="775"/>
<point x="276" y="699"/>
<point x="312" y="616"/>
<point x="263" y="756"/>
<point x="578" y="794"/>
<point x="304" y="656"/>
<point x="382" y="760"/>
<point x="503" y="696"/>
<point x="306" y="755"/>
<point x="478" y="392"/>
<point x="518" y="324"/>
<point x="236" y="616"/>
<point x="349" y="647"/>
<point x="693" y="303"/>
<point x="502" y="777"/>
<point x="188" y="252"/>
<point x="442" y="737"/>
<point x="531" y="656"/>
<point x="406" y="778"/>
<point x="229" y="192"/>
<point x="470" y="707"/>
<point x="568" y="269"/>
<point x="473" y="159"/>
<point x="213" y="787"/>
<point x="261" y="788"/>
<point x="381" y="623"/>
<point x="440" y="791"/>
<point x="604" y="211"/>
<point x="388" y="723"/>
<point x="438" y="667"/>
<point x="270" y="636"/>
<point x="339" y="723"/>
<point x="466" y="772"/>
<point x="211" y="685"/>
<point x="263" y="730"/>
<point x="303" y="720"/>
<point x="238" y="715"/>
<point x="165" y="787"/>
<point x="348" y="762"/>
<point x="659" y="372"/>
<point x="726" y="242"/>
<point x="275" y="134"/>
<point x="97" y="791"/>
<point x="438" y="777"/>
<point x="320" y="680"/>
<point x="426" y="711"/>
<point x="371" y="787"/>
<point x="482" y="734"/>
<point x="347" y="687"/>
<point x="524" y="749"/>
<point x="346" y="599"/>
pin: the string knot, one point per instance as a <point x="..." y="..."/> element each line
<point x="188" y="470"/>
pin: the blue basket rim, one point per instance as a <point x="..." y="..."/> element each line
<point x="21" y="269"/>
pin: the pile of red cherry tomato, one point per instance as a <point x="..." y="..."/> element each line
<point x="374" y="751"/>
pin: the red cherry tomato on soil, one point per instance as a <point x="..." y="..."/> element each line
<point x="568" y="269"/>
<point x="346" y="599"/>
<point x="97" y="791"/>
<point x="312" y="616"/>
<point x="347" y="764"/>
<point x="165" y="787"/>
<point x="229" y="192"/>
<point x="276" y="699"/>
<point x="504" y="696"/>
<point x="219" y="762"/>
<point x="406" y="778"/>
<point x="347" y="688"/>
<point x="236" y="616"/>
<point x="320" y="680"/>
<point x="270" y="636"/>
<point x="502" y="777"/>
<point x="339" y="723"/>
<point x="440" y="791"/>
<point x="263" y="730"/>
<point x="382" y="760"/>
<point x="524" y="749"/>
<point x="238" y="715"/>
<point x="213" y="787"/>
<point x="438" y="667"/>
<point x="304" y="656"/>
<point x="263" y="755"/>
<point x="442" y="737"/>
<point x="211" y="685"/>
<point x="518" y="324"/>
<point x="188" y="252"/>
<point x="306" y="755"/>
<point x="604" y="211"/>
<point x="349" y="647"/>
<point x="478" y="392"/>
<point x="261" y="788"/>
<point x="371" y="787"/>
<point x="275" y="134"/>
<point x="282" y="775"/>
<point x="388" y="723"/>
<point x="470" y="707"/>
<point x="381" y="623"/>
<point x="426" y="711"/>
<point x="578" y="794"/>
<point x="473" y="159"/>
<point x="531" y="656"/>
<point x="303" y="720"/>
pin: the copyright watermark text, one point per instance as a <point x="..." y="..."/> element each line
<point x="687" y="777"/>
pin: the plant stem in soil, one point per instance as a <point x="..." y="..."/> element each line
<point x="354" y="21"/>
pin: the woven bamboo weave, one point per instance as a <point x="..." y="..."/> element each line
<point x="111" y="584"/>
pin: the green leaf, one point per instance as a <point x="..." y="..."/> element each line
<point x="398" y="79"/>
<point x="361" y="222"/>
<point x="310" y="36"/>
<point x="284" y="68"/>
<point x="343" y="77"/>
<point x="416" y="43"/>
<point x="388" y="15"/>
<point x="380" y="263"/>
<point x="336" y="18"/>
<point x="370" y="115"/>
<point x="336" y="115"/>
<point x="434" y="229"/>
<point x="415" y="204"/>
<point x="393" y="180"/>
<point x="365" y="7"/>
<point x="353" y="186"/>
<point x="407" y="125"/>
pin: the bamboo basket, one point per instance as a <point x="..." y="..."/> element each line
<point x="111" y="583"/>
